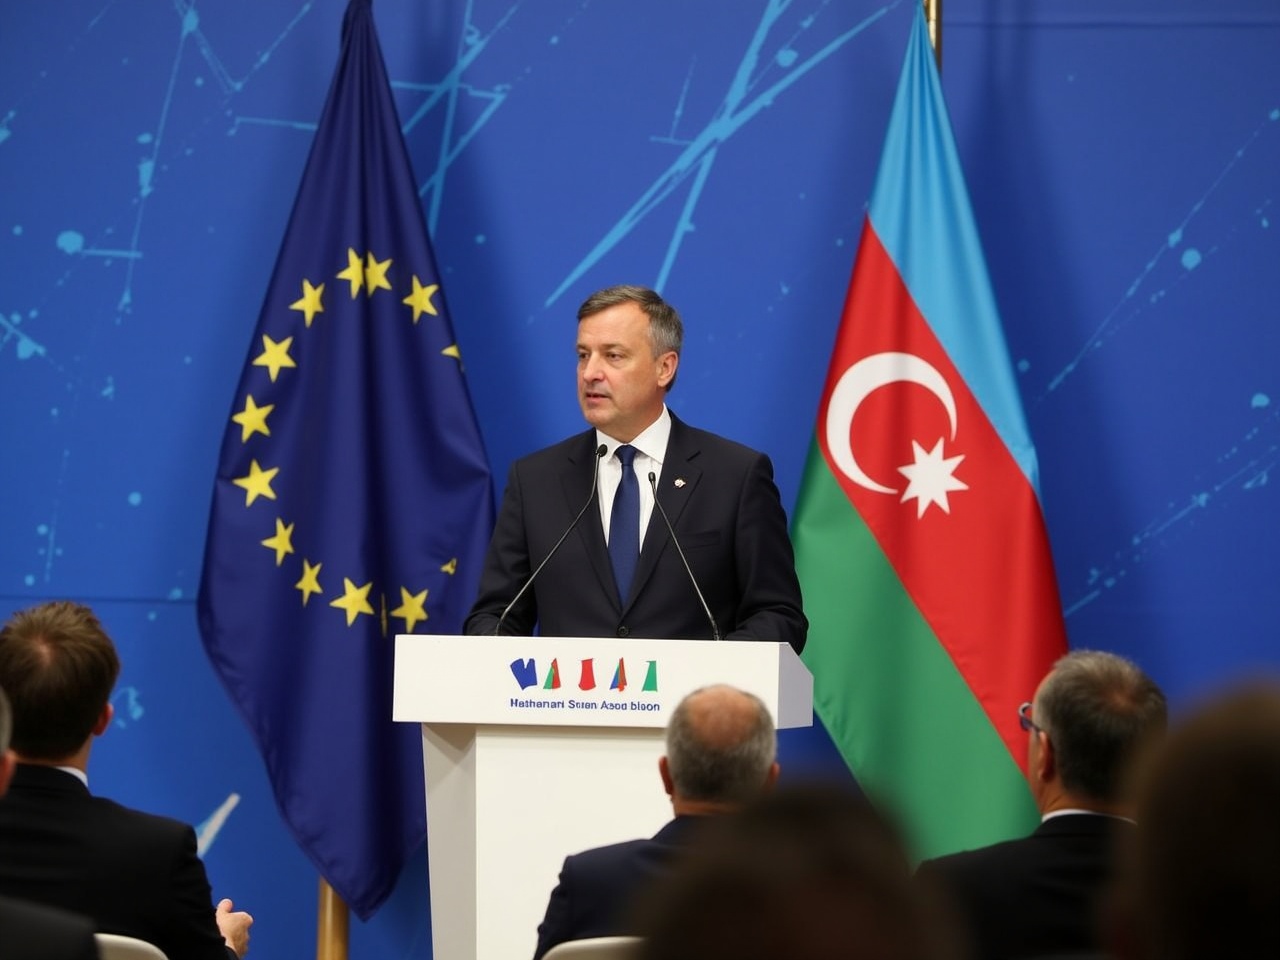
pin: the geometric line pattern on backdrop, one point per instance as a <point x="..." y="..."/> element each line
<point x="742" y="102"/>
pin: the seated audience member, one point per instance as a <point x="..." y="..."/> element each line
<point x="29" y="931"/>
<point x="1201" y="878"/>
<point x="1042" y="894"/>
<point x="721" y="746"/>
<point x="805" y="873"/>
<point x="131" y="873"/>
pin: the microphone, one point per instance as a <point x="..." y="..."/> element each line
<point x="653" y="485"/>
<point x="595" y="479"/>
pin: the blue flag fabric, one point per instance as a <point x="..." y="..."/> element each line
<point x="353" y="498"/>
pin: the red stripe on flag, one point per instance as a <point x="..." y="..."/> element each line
<point x="966" y="537"/>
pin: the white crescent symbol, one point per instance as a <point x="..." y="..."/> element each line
<point x="854" y="386"/>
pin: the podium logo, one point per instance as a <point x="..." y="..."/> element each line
<point x="527" y="675"/>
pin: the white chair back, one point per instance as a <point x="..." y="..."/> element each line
<point x="113" y="946"/>
<point x="594" y="948"/>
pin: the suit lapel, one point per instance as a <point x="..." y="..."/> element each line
<point x="575" y="481"/>
<point x="679" y="479"/>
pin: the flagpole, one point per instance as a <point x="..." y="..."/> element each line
<point x="331" y="933"/>
<point x="933" y="16"/>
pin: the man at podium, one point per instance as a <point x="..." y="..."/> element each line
<point x="641" y="526"/>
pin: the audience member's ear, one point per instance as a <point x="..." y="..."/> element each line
<point x="104" y="719"/>
<point x="664" y="770"/>
<point x="771" y="777"/>
<point x="1047" y="760"/>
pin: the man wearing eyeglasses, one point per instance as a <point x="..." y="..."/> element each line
<point x="1040" y="895"/>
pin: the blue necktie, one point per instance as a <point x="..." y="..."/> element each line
<point x="624" y="524"/>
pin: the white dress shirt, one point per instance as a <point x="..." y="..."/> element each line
<point x="651" y="446"/>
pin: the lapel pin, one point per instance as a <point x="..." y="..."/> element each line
<point x="679" y="482"/>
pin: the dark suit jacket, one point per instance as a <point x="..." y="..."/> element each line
<point x="29" y="931"/>
<point x="727" y="515"/>
<point x="131" y="873"/>
<point x="597" y="887"/>
<point x="1036" y="896"/>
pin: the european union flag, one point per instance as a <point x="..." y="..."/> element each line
<point x="353" y="497"/>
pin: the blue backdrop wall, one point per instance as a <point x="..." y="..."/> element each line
<point x="1124" y="162"/>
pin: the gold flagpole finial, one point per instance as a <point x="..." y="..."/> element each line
<point x="933" y="17"/>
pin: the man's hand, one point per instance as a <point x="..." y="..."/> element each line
<point x="234" y="927"/>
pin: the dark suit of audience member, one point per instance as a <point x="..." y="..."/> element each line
<point x="595" y="886"/>
<point x="721" y="745"/>
<point x="29" y="931"/>
<point x="134" y="873"/>
<point x="718" y="495"/>
<point x="1043" y="894"/>
<point x="1036" y="894"/>
<point x="130" y="872"/>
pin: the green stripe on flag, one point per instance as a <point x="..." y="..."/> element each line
<point x="896" y="707"/>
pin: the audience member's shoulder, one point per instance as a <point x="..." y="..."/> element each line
<point x="965" y="862"/>
<point x="32" y="931"/>
<point x="135" y="821"/>
<point x="604" y="858"/>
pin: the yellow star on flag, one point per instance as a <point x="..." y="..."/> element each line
<point x="411" y="609"/>
<point x="452" y="351"/>
<point x="354" y="600"/>
<point x="274" y="356"/>
<point x="253" y="419"/>
<point x="354" y="274"/>
<point x="420" y="299"/>
<point x="375" y="274"/>
<point x="310" y="582"/>
<point x="257" y="483"/>
<point x="282" y="542"/>
<point x="451" y="567"/>
<point x="310" y="304"/>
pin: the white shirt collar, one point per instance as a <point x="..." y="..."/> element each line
<point x="1077" y="811"/>
<point x="77" y="773"/>
<point x="651" y="441"/>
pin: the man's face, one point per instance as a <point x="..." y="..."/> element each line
<point x="621" y="384"/>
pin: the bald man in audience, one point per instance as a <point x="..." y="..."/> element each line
<point x="1090" y="721"/>
<point x="720" y="753"/>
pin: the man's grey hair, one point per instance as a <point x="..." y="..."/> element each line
<point x="1098" y="710"/>
<point x="724" y="762"/>
<point x="666" y="331"/>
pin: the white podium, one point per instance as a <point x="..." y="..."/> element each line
<point x="538" y="747"/>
